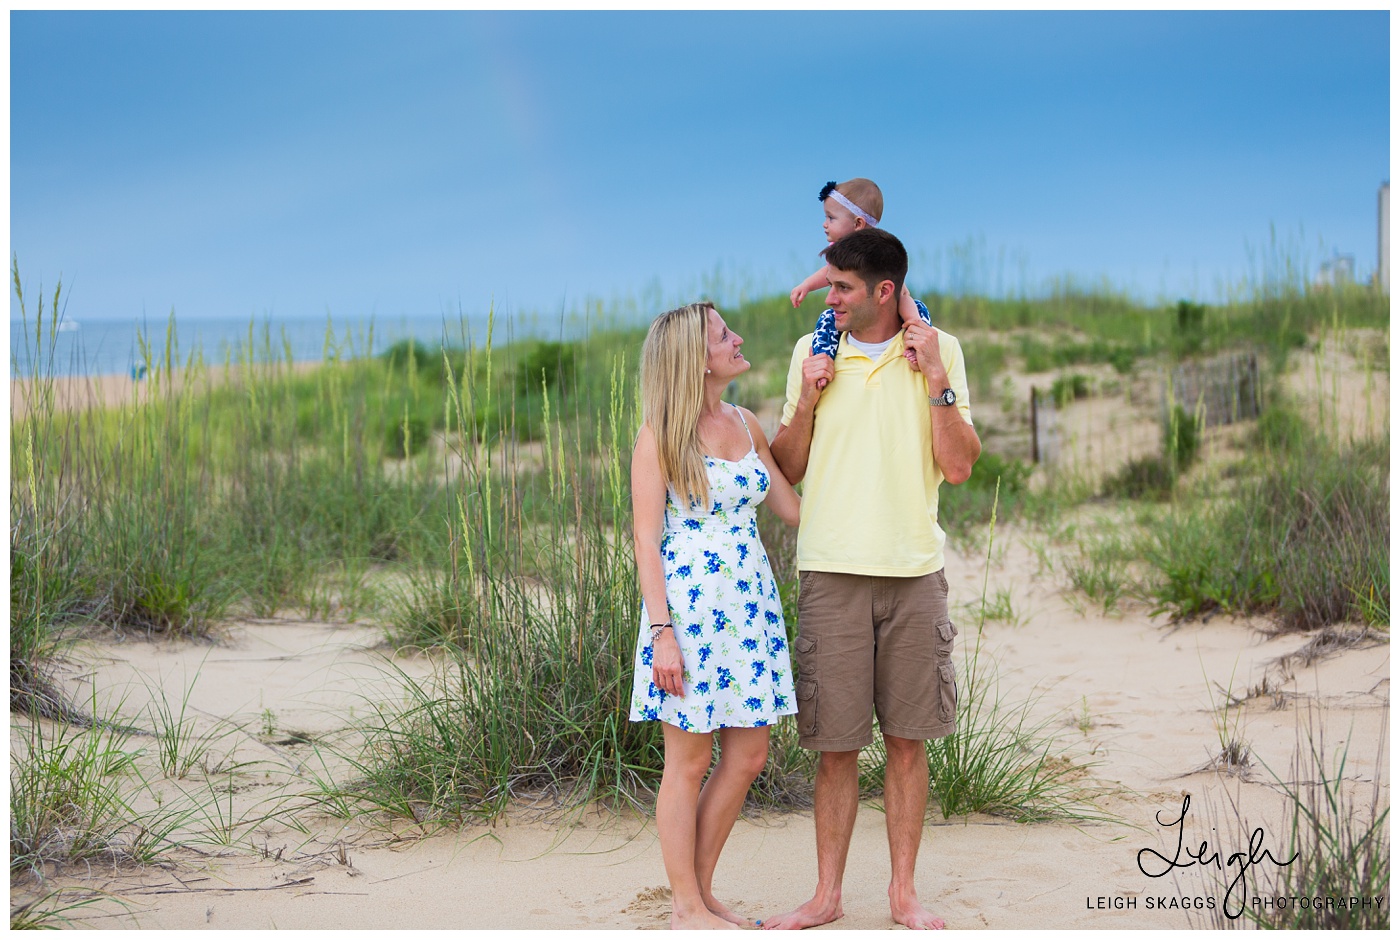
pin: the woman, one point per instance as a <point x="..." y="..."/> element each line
<point x="712" y="654"/>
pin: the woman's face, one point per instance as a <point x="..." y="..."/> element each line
<point x="724" y="359"/>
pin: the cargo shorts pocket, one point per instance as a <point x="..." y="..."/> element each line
<point x="946" y="631"/>
<point x="803" y="658"/>
<point x="807" y="707"/>
<point x="947" y="692"/>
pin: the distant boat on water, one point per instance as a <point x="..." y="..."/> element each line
<point x="67" y="326"/>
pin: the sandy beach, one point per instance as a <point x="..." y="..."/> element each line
<point x="1137" y="702"/>
<point x="81" y="392"/>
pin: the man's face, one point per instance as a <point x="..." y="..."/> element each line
<point x="851" y="301"/>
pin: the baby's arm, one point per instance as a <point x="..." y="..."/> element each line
<point x="816" y="281"/>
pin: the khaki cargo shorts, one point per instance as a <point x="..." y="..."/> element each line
<point x="870" y="644"/>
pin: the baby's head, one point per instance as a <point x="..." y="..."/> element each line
<point x="850" y="207"/>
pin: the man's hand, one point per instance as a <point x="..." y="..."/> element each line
<point x="792" y="444"/>
<point x="922" y="340"/>
<point x="817" y="371"/>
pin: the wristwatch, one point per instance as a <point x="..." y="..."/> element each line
<point x="945" y="397"/>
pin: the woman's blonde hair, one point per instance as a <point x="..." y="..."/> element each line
<point x="673" y="392"/>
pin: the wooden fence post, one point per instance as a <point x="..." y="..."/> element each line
<point x="1035" y="432"/>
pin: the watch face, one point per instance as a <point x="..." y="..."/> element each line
<point x="948" y="396"/>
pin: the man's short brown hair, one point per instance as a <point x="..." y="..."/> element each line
<point x="873" y="255"/>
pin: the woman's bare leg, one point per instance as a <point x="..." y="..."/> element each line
<point x="687" y="759"/>
<point x="743" y="752"/>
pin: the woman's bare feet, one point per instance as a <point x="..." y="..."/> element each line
<point x="700" y="920"/>
<point x="724" y="913"/>
<point x="811" y="914"/>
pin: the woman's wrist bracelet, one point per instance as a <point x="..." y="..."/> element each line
<point x="656" y="629"/>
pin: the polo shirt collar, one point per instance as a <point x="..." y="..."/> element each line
<point x="895" y="349"/>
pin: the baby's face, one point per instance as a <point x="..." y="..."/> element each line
<point x="840" y="221"/>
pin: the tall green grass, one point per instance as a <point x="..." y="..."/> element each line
<point x="71" y="799"/>
<point x="538" y="612"/>
<point x="109" y="509"/>
<point x="1305" y="537"/>
<point x="47" y="551"/>
<point x="65" y="798"/>
<point x="1336" y="848"/>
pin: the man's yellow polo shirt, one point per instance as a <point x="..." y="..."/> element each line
<point x="870" y="496"/>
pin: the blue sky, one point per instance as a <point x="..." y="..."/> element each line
<point x="287" y="164"/>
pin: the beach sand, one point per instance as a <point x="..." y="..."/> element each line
<point x="81" y="392"/>
<point x="1137" y="701"/>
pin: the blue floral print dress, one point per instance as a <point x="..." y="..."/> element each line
<point x="725" y="610"/>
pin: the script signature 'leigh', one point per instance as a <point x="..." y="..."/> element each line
<point x="1205" y="855"/>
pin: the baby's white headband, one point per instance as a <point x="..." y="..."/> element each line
<point x="830" y="190"/>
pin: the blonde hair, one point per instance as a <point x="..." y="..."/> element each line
<point x="864" y="193"/>
<point x="673" y="392"/>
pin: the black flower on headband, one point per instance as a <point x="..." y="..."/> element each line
<point x="826" y="191"/>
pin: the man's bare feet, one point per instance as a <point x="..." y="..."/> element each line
<point x="700" y="920"/>
<point x="909" y="912"/>
<point x="719" y="910"/>
<point x="811" y="914"/>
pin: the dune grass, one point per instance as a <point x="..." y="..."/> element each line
<point x="57" y="909"/>
<point x="1342" y="849"/>
<point x="1304" y="537"/>
<point x="538" y="620"/>
<point x="1335" y="851"/>
<point x="65" y="796"/>
<point x="73" y="798"/>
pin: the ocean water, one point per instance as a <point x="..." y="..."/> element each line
<point x="117" y="347"/>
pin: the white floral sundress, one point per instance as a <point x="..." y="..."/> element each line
<point x="725" y="611"/>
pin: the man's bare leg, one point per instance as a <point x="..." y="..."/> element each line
<point x="742" y="754"/>
<point x="687" y="759"/>
<point x="837" y="794"/>
<point x="906" y="799"/>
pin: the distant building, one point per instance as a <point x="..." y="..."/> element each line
<point x="1383" y="238"/>
<point x="1339" y="271"/>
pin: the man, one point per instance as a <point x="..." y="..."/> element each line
<point x="873" y="440"/>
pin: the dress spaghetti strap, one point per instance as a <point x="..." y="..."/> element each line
<point x="740" y="412"/>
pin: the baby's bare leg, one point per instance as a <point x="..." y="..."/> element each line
<point x="908" y="313"/>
